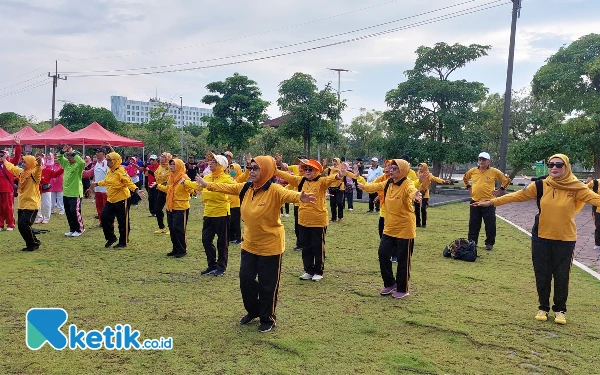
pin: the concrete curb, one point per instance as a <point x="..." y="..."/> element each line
<point x="578" y="264"/>
<point x="449" y="202"/>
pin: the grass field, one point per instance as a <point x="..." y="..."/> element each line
<point x="460" y="318"/>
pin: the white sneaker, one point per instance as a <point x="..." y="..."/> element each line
<point x="317" y="277"/>
<point x="351" y="209"/>
<point x="69" y="234"/>
<point x="45" y="221"/>
<point x="287" y="215"/>
<point x="306" y="276"/>
<point x="596" y="247"/>
<point x="10" y="229"/>
<point x="77" y="234"/>
<point x="38" y="220"/>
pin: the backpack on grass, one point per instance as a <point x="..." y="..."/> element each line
<point x="461" y="249"/>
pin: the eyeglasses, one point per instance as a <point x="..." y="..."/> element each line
<point x="394" y="168"/>
<point x="307" y="169"/>
<point x="482" y="159"/>
<point x="558" y="165"/>
<point x="254" y="169"/>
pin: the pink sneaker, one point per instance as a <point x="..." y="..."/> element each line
<point x="38" y="220"/>
<point x="388" y="290"/>
<point x="400" y="294"/>
<point x="45" y="221"/>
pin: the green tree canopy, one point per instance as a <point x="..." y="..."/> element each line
<point x="429" y="111"/>
<point x="366" y="133"/>
<point x="78" y="116"/>
<point x="12" y="122"/>
<point x="237" y="113"/>
<point x="162" y="133"/>
<point x="310" y="113"/>
<point x="570" y="82"/>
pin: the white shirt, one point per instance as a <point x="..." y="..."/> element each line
<point x="100" y="171"/>
<point x="374" y="173"/>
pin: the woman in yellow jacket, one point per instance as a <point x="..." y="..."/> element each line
<point x="118" y="191"/>
<point x="235" y="223"/>
<point x="554" y="232"/>
<point x="29" y="197"/>
<point x="399" y="229"/>
<point x="425" y="179"/>
<point x="161" y="174"/>
<point x="178" y="206"/>
<point x="264" y="237"/>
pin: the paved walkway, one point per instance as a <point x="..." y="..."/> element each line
<point x="523" y="214"/>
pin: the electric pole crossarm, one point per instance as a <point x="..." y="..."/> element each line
<point x="55" y="79"/>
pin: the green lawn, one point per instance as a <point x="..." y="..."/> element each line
<point x="461" y="318"/>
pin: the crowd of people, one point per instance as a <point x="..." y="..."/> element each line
<point x="258" y="194"/>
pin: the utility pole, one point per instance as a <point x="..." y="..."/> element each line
<point x="181" y="115"/>
<point x="339" y="71"/>
<point x="55" y="79"/>
<point x="516" y="13"/>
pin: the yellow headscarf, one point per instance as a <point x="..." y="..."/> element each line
<point x="568" y="181"/>
<point x="403" y="167"/>
<point x="174" y="179"/>
<point x="26" y="173"/>
<point x="425" y="169"/>
<point x="267" y="169"/>
<point x="237" y="169"/>
<point x="116" y="160"/>
<point x="168" y="157"/>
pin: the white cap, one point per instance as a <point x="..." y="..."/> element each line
<point x="222" y="160"/>
<point x="153" y="157"/>
<point x="485" y="155"/>
<point x="375" y="159"/>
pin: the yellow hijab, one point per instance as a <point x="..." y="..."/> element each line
<point x="174" y="179"/>
<point x="425" y="169"/>
<point x="403" y="167"/>
<point x="568" y="181"/>
<point x="26" y="173"/>
<point x="267" y="169"/>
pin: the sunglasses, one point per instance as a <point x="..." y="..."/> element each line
<point x="308" y="169"/>
<point x="254" y="169"/>
<point x="557" y="165"/>
<point x="482" y="159"/>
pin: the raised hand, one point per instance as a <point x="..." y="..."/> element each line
<point x="424" y="177"/>
<point x="325" y="162"/>
<point x="17" y="139"/>
<point x="359" y="185"/>
<point x="448" y="182"/>
<point x="278" y="158"/>
<point x="248" y="159"/>
<point x="39" y="159"/>
<point x="588" y="180"/>
<point x="418" y="197"/>
<point x="308" y="197"/>
<point x="66" y="148"/>
<point x="355" y="170"/>
<point x="142" y="194"/>
<point x="497" y="193"/>
<point x="200" y="181"/>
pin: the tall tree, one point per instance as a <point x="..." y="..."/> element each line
<point x="160" y="126"/>
<point x="310" y="113"/>
<point x="237" y="112"/>
<point x="570" y="82"/>
<point x="75" y="117"/>
<point x="12" y="122"/>
<point x="366" y="132"/>
<point x="432" y="108"/>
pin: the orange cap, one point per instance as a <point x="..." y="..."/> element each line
<point x="314" y="164"/>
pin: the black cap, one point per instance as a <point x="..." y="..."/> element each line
<point x="101" y="150"/>
<point x="405" y="157"/>
<point x="359" y="159"/>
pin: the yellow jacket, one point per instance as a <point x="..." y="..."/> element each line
<point x="215" y="204"/>
<point x="161" y="174"/>
<point x="29" y="190"/>
<point x="556" y="220"/>
<point x="311" y="215"/>
<point x="234" y="200"/>
<point x="484" y="183"/>
<point x="263" y="232"/>
<point x="117" y="181"/>
<point x="424" y="186"/>
<point x="400" y="221"/>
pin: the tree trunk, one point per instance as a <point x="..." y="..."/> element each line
<point x="514" y="172"/>
<point x="596" y="166"/>
<point x="437" y="168"/>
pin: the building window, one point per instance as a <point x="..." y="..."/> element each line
<point x="127" y="106"/>
<point x="128" y="112"/>
<point x="128" y="119"/>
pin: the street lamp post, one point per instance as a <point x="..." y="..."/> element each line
<point x="339" y="71"/>
<point x="181" y="115"/>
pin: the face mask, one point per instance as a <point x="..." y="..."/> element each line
<point x="232" y="173"/>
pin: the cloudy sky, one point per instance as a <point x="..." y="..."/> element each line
<point x="108" y="37"/>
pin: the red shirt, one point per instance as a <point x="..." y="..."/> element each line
<point x="6" y="186"/>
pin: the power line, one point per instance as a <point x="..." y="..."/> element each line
<point x="24" y="74"/>
<point x="238" y="37"/>
<point x="20" y="83"/>
<point x="23" y="89"/>
<point x="288" y="45"/>
<point x="406" y="27"/>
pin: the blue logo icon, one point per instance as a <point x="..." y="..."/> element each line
<point x="43" y="325"/>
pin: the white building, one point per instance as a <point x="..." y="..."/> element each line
<point x="135" y="111"/>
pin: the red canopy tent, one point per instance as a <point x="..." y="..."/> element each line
<point x="95" y="135"/>
<point x="25" y="132"/>
<point x="3" y="133"/>
<point x="51" y="137"/>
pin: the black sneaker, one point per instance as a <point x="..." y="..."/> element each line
<point x="109" y="243"/>
<point x="180" y="255"/>
<point x="119" y="246"/>
<point x="266" y="327"/>
<point x="489" y="246"/>
<point x="208" y="271"/>
<point x="172" y="253"/>
<point x="297" y="248"/>
<point x="28" y="248"/>
<point x="238" y="242"/>
<point x="246" y="319"/>
<point x="219" y="272"/>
